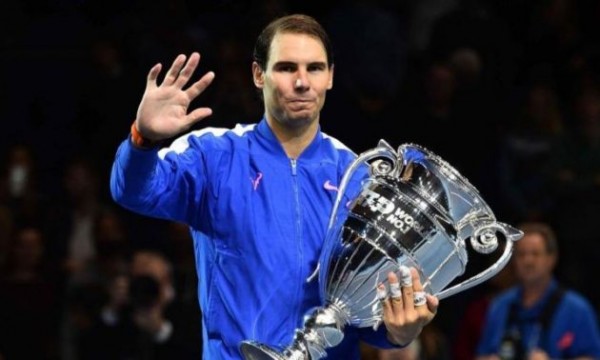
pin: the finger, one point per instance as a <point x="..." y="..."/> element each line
<point x="381" y="292"/>
<point x="152" y="75"/>
<point x="432" y="303"/>
<point x="406" y="279"/>
<point x="174" y="70"/>
<point x="395" y="298"/>
<point x="188" y="70"/>
<point x="416" y="280"/>
<point x="199" y="86"/>
<point x="419" y="296"/>
<point x="395" y="292"/>
<point x="385" y="302"/>
<point x="197" y="115"/>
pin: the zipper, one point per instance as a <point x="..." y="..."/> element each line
<point x="298" y="233"/>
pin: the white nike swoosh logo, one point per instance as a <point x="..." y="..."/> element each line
<point x="329" y="186"/>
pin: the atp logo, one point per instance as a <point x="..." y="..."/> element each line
<point x="396" y="216"/>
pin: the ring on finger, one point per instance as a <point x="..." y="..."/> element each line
<point x="381" y="293"/>
<point x="405" y="276"/>
<point x="419" y="298"/>
<point x="395" y="292"/>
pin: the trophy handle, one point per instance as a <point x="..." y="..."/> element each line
<point x="489" y="244"/>
<point x="383" y="149"/>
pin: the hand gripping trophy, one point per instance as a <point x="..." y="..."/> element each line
<point x="411" y="209"/>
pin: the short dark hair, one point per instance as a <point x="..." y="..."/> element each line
<point x="545" y="231"/>
<point x="295" y="24"/>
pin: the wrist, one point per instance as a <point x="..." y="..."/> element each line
<point x="396" y="342"/>
<point x="140" y="141"/>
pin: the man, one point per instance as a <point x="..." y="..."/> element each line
<point x="538" y="319"/>
<point x="257" y="197"/>
<point x="140" y="319"/>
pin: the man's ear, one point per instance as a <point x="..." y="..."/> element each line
<point x="330" y="84"/>
<point x="258" y="75"/>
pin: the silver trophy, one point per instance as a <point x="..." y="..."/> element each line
<point x="412" y="208"/>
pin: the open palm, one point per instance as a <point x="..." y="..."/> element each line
<point x="163" y="111"/>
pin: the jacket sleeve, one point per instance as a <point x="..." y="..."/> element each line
<point x="167" y="187"/>
<point x="585" y="335"/>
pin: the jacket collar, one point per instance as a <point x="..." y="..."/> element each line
<point x="268" y="140"/>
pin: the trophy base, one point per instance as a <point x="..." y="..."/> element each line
<point x="255" y="351"/>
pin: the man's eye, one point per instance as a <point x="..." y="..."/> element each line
<point x="316" y="68"/>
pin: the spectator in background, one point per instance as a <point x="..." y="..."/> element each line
<point x="106" y="93"/>
<point x="554" y="38"/>
<point x="443" y="121"/>
<point x="19" y="192"/>
<point x="138" y="320"/>
<point x="473" y="25"/>
<point x="576" y="183"/>
<point x="83" y="243"/>
<point x="71" y="225"/>
<point x="28" y="300"/>
<point x="102" y="338"/>
<point x="527" y="153"/>
<point x="111" y="243"/>
<point x="367" y="89"/>
<point x="470" y="325"/>
<point x="234" y="97"/>
<point x="538" y="318"/>
<point x="5" y="231"/>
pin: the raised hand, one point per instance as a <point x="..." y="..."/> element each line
<point x="163" y="111"/>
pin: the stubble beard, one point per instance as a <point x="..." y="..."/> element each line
<point x="295" y="122"/>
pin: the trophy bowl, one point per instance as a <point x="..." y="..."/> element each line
<point x="409" y="208"/>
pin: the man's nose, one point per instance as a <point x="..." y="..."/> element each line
<point x="301" y="81"/>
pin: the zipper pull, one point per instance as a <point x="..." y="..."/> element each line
<point x="293" y="161"/>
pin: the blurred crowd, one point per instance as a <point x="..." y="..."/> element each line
<point x="507" y="91"/>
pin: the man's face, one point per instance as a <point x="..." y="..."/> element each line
<point x="533" y="264"/>
<point x="295" y="80"/>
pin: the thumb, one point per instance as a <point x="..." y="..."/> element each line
<point x="197" y="115"/>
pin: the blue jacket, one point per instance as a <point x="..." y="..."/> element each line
<point x="258" y="220"/>
<point x="572" y="331"/>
